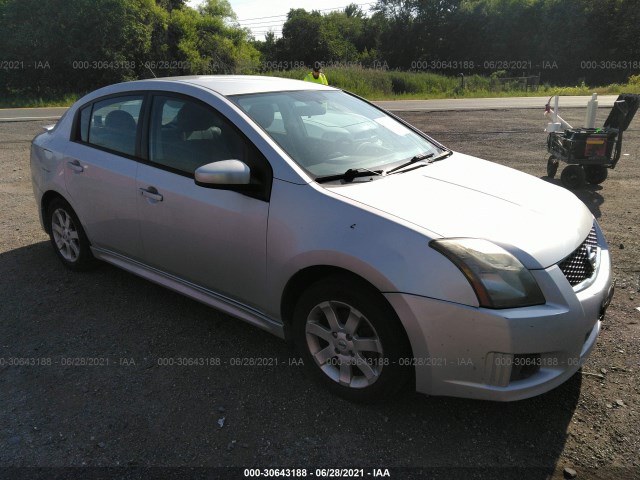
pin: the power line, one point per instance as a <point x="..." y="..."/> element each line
<point x="260" y="18"/>
<point x="322" y="10"/>
<point x="266" y="21"/>
<point x="261" y="24"/>
<point x="269" y="24"/>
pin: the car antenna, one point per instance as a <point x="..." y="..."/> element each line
<point x="149" y="68"/>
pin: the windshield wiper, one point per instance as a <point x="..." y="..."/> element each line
<point x="354" y="173"/>
<point x="349" y="175"/>
<point x="419" y="158"/>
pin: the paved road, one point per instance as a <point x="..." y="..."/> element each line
<point x="25" y="114"/>
<point x="458" y="104"/>
<point x="28" y="114"/>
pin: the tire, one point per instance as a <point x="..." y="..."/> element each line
<point x="552" y="166"/>
<point x="596" y="174"/>
<point x="573" y="177"/>
<point x="351" y="340"/>
<point x="68" y="237"/>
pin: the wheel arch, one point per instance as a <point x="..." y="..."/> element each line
<point x="312" y="274"/>
<point x="84" y="259"/>
<point x="48" y="197"/>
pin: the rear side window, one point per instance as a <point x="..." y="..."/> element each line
<point x="112" y="123"/>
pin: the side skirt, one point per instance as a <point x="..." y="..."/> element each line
<point x="208" y="297"/>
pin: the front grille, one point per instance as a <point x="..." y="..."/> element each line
<point x="580" y="265"/>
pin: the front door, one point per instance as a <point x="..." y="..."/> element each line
<point x="210" y="237"/>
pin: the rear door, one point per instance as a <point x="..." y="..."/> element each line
<point x="100" y="172"/>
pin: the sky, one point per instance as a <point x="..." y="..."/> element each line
<point x="252" y="13"/>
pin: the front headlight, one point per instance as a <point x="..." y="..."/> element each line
<point x="497" y="277"/>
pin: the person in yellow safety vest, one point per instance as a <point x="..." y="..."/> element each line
<point x="316" y="75"/>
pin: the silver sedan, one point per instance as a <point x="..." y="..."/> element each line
<point x="386" y="258"/>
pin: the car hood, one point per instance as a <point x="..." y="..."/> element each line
<point x="463" y="196"/>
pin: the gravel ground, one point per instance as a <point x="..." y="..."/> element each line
<point x="127" y="410"/>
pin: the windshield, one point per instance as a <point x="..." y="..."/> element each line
<point x="330" y="132"/>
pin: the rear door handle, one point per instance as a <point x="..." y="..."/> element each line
<point x="75" y="166"/>
<point x="151" y="193"/>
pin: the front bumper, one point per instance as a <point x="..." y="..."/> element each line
<point x="510" y="354"/>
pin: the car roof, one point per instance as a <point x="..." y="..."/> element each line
<point x="242" y="84"/>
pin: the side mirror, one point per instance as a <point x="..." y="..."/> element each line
<point x="223" y="173"/>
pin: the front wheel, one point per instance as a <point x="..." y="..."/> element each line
<point x="351" y="340"/>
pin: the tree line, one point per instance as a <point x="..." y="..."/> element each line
<point x="52" y="47"/>
<point x="565" y="41"/>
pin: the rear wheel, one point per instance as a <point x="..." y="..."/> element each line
<point x="596" y="174"/>
<point x="552" y="166"/>
<point x="351" y="340"/>
<point x="67" y="236"/>
<point x="573" y="177"/>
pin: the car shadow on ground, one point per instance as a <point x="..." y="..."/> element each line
<point x="131" y="374"/>
<point x="589" y="195"/>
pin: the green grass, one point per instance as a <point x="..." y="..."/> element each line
<point x="393" y="85"/>
<point x="396" y="85"/>
<point x="20" y="102"/>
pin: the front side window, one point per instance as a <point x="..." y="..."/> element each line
<point x="112" y="123"/>
<point x="186" y="134"/>
<point x="330" y="132"/>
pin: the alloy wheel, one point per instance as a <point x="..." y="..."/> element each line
<point x="344" y="344"/>
<point x="65" y="235"/>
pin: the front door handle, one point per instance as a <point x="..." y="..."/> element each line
<point x="75" y="166"/>
<point x="151" y="193"/>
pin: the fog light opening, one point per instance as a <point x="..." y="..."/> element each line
<point x="524" y="366"/>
